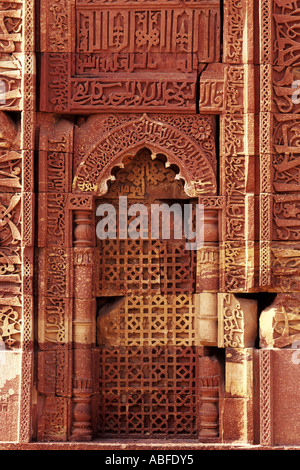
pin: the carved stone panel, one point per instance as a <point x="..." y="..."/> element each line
<point x="105" y="56"/>
<point x="279" y="375"/>
<point x="285" y="23"/>
<point x="237" y="321"/>
<point x="279" y="323"/>
<point x="11" y="58"/>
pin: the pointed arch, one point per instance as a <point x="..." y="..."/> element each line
<point x="125" y="140"/>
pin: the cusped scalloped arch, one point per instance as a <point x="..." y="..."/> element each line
<point x="125" y="140"/>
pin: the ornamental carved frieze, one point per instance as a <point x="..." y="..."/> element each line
<point x="11" y="234"/>
<point x="278" y="139"/>
<point x="120" y="56"/>
<point x="17" y="95"/>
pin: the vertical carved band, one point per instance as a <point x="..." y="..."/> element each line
<point x="265" y="9"/>
<point x="265" y="237"/>
<point x="266" y="437"/>
<point x="26" y="371"/>
<point x="27" y="145"/>
<point x="265" y="145"/>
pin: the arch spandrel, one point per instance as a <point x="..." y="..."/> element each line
<point x="125" y="140"/>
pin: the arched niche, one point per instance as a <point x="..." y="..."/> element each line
<point x="147" y="330"/>
<point x="158" y="229"/>
<point x="181" y="148"/>
<point x="190" y="155"/>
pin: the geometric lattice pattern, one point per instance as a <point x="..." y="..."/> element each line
<point x="150" y="263"/>
<point x="145" y="266"/>
<point x="148" y="392"/>
<point x="129" y="265"/>
<point x="147" y="334"/>
<point x="155" y="320"/>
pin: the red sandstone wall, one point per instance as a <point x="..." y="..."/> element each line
<point x="212" y="87"/>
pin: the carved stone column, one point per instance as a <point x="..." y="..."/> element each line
<point x="209" y="387"/>
<point x="208" y="255"/>
<point x="83" y="326"/>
